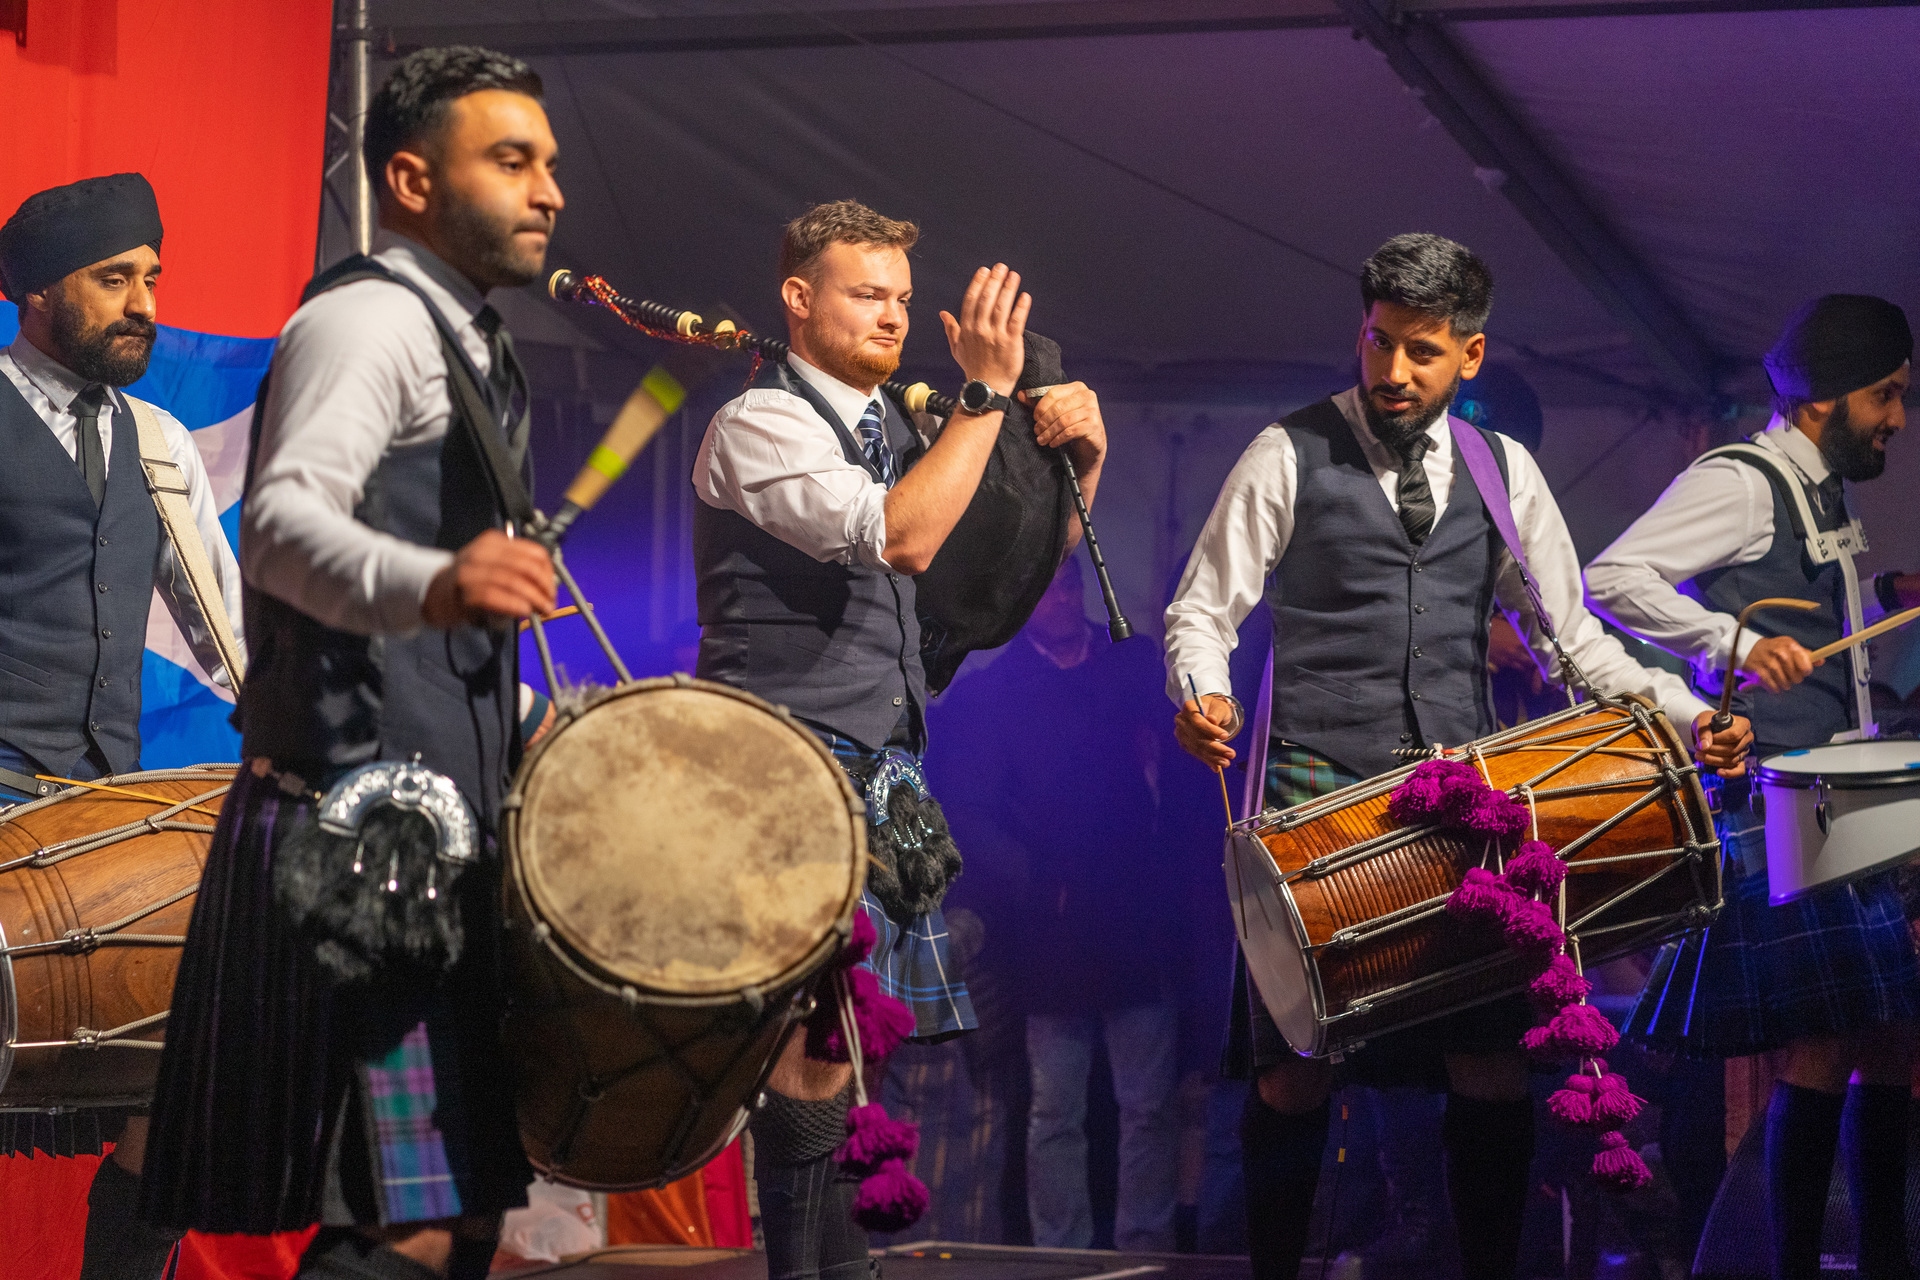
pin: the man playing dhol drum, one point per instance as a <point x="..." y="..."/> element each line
<point x="1385" y="566"/>
<point x="381" y="590"/>
<point x="81" y="551"/>
<point x="808" y="534"/>
<point x="1832" y="976"/>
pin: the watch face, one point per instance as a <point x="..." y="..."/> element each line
<point x="975" y="395"/>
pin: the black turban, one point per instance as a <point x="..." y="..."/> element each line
<point x="1837" y="344"/>
<point x="58" y="231"/>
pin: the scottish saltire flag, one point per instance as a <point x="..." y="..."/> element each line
<point x="208" y="382"/>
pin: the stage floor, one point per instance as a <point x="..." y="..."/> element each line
<point x="926" y="1260"/>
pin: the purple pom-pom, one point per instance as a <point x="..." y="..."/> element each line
<point x="873" y="1138"/>
<point x="1560" y="985"/>
<point x="1529" y="928"/>
<point x="1615" y="1106"/>
<point x="891" y="1199"/>
<point x="1423" y="796"/>
<point x="1481" y="897"/>
<point x="1489" y="813"/>
<point x="1570" y="1105"/>
<point x="1534" y="869"/>
<point x="1577" y="1031"/>
<point x="884" y="1022"/>
<point x="1618" y="1166"/>
<point x="861" y="941"/>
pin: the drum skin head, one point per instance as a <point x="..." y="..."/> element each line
<point x="684" y="839"/>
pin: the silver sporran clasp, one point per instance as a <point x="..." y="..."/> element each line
<point x="407" y="785"/>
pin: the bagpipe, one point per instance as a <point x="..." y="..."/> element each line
<point x="1002" y="554"/>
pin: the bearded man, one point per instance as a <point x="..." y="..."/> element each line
<point x="807" y="536"/>
<point x="81" y="551"/>
<point x="1385" y="564"/>
<point x="1832" y="978"/>
<point x="388" y="457"/>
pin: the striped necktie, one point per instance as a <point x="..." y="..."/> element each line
<point x="871" y="432"/>
<point x="1416" y="495"/>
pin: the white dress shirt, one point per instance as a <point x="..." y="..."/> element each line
<point x="358" y="371"/>
<point x="768" y="456"/>
<point x="1716" y="513"/>
<point x="1252" y="523"/>
<point x="49" y="388"/>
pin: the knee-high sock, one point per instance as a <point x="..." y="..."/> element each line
<point x="1803" y="1126"/>
<point x="119" y="1245"/>
<point x="1489" y="1146"/>
<point x="1280" y="1156"/>
<point x="1873" y="1136"/>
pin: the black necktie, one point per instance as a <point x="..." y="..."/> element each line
<point x="88" y="454"/>
<point x="1416" y="496"/>
<point x="506" y="380"/>
<point x="1833" y="498"/>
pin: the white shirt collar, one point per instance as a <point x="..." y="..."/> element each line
<point x="1352" y="405"/>
<point x="1793" y="442"/>
<point x="49" y="377"/>
<point x="847" y="401"/>
<point x="452" y="292"/>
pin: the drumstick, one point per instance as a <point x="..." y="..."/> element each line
<point x="1723" y="718"/>
<point x="565" y="611"/>
<point x="1861" y="637"/>
<point x="1225" y="798"/>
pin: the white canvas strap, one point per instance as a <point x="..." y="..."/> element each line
<point x="168" y="485"/>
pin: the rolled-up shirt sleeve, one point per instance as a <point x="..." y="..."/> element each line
<point x="769" y="457"/>
<point x="1556" y="569"/>
<point x="340" y="395"/>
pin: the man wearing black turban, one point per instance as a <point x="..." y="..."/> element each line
<point x="1833" y="976"/>
<point x="81" y="552"/>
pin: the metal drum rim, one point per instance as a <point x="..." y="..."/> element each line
<point x="1769" y="774"/>
<point x="590" y="971"/>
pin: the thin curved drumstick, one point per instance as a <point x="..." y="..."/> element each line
<point x="1723" y="718"/>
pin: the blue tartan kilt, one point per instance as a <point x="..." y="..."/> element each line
<point x="1837" y="962"/>
<point x="915" y="966"/>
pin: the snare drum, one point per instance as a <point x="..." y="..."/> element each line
<point x="1838" y="812"/>
<point x="96" y="887"/>
<point x="1341" y="912"/>
<point x="681" y="860"/>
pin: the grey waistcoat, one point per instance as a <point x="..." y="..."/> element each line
<point x="1378" y="644"/>
<point x="1821" y="705"/>
<point x="75" y="582"/>
<point x="836" y="644"/>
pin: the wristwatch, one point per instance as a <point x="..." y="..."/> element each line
<point x="977" y="397"/>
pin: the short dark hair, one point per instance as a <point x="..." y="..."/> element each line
<point x="1432" y="275"/>
<point x="838" y="222"/>
<point x="413" y="103"/>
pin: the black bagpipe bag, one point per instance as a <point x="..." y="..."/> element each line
<point x="989" y="575"/>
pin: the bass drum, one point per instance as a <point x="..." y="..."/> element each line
<point x="96" y="887"/>
<point x="682" y="858"/>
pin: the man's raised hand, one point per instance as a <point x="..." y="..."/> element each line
<point x="492" y="579"/>
<point x="989" y="337"/>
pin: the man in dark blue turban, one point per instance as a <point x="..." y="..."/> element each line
<point x="81" y="551"/>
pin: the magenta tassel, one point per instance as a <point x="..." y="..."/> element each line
<point x="1618" y="1166"/>
<point x="891" y="1199"/>
<point x="1533" y="869"/>
<point x="1530" y="928"/>
<point x="1481" y="897"/>
<point x="884" y="1022"/>
<point x="1489" y="813"/>
<point x="873" y="1138"/>
<point x="1571" y="1106"/>
<point x="1559" y="985"/>
<point x="1423" y="795"/>
<point x="1615" y="1106"/>
<point x="861" y="941"/>
<point x="1577" y="1031"/>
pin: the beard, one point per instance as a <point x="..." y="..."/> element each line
<point x="1849" y="450"/>
<point x="856" y="366"/>
<point x="1398" y="430"/>
<point x="485" y="247"/>
<point x="100" y="355"/>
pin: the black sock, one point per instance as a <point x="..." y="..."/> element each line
<point x="1803" y="1126"/>
<point x="1873" y="1136"/>
<point x="341" y="1253"/>
<point x="1489" y="1148"/>
<point x="1280" y="1157"/>
<point x="119" y="1245"/>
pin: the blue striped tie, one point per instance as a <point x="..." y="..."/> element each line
<point x="872" y="435"/>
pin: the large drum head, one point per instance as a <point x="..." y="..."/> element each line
<point x="684" y="839"/>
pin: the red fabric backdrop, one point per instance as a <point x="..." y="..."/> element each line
<point x="221" y="103"/>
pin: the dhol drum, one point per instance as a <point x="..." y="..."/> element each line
<point x="1341" y="912"/>
<point x="1838" y="812"/>
<point x="96" y="888"/>
<point x="681" y="860"/>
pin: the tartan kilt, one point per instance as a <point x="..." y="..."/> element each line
<point x="1837" y="962"/>
<point x="283" y="1102"/>
<point x="1415" y="1056"/>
